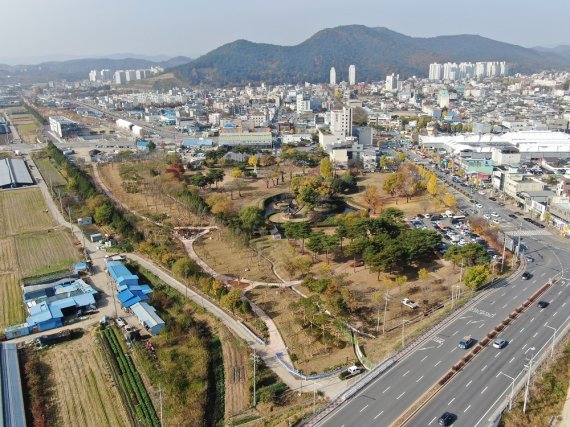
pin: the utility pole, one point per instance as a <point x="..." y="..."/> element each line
<point x="504" y="249"/>
<point x="385" y="310"/>
<point x="517" y="250"/>
<point x="528" y="380"/>
<point x="512" y="389"/>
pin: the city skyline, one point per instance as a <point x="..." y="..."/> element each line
<point x="193" y="32"/>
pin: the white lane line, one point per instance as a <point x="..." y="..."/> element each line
<point x="380" y="413"/>
<point x="423" y="359"/>
<point x="467" y="385"/>
<point x="454" y="348"/>
<point x="515" y="297"/>
<point x="466" y="409"/>
<point x="525" y="288"/>
<point x="497" y="355"/>
<point x="429" y="422"/>
<point x="503" y="294"/>
<point x="437" y="364"/>
<point x="504" y="306"/>
<point x="400" y="395"/>
<point x="407" y="372"/>
<point x="484" y="390"/>
<point x="497" y="376"/>
<point x="524" y="346"/>
<point x="559" y="292"/>
<point x="493" y="302"/>
<point x="389" y="387"/>
<point x="419" y="379"/>
<point x="481" y="325"/>
<point x="532" y="320"/>
<point x="522" y="330"/>
<point x="451" y="401"/>
<point x="563" y="304"/>
<point x="364" y="408"/>
<point x="543" y="274"/>
<point x="484" y="367"/>
<point x="455" y="333"/>
<point x="511" y="360"/>
<point x="555" y="314"/>
<point x="535" y="334"/>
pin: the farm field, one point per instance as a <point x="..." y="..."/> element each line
<point x="83" y="390"/>
<point x="44" y="253"/>
<point x="49" y="173"/>
<point x="23" y="211"/>
<point x="11" y="307"/>
<point x="25" y="123"/>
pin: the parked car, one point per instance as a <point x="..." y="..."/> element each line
<point x="500" y="343"/>
<point x="409" y="303"/>
<point x="466" y="342"/>
<point x="512" y="216"/>
<point x="493" y="199"/>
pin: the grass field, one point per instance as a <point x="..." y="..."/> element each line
<point x="12" y="311"/>
<point x="83" y="391"/>
<point x="23" y="211"/>
<point x="50" y="174"/>
<point x="26" y="125"/>
<point x="40" y="254"/>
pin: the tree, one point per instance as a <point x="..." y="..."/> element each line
<point x="431" y="186"/>
<point x="231" y="300"/>
<point x="392" y="183"/>
<point x="371" y="198"/>
<point x="385" y="162"/>
<point x="185" y="267"/>
<point x="476" y="276"/>
<point x="449" y="200"/>
<point x="316" y="242"/>
<point x="216" y="175"/>
<point x="252" y="161"/>
<point x="237" y="173"/>
<point x="400" y="156"/>
<point x="220" y="204"/>
<point x="199" y="180"/>
<point x="251" y="217"/>
<point x="151" y="146"/>
<point x="104" y="214"/>
<point x="359" y="116"/>
<point x="298" y="231"/>
<point x="423" y="274"/>
<point x="326" y="168"/>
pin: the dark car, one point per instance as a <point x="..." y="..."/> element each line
<point x="466" y="342"/>
<point x="527" y="219"/>
<point x="542" y="304"/>
<point x="446" y="419"/>
<point x="512" y="216"/>
<point x="500" y="343"/>
<point x="493" y="199"/>
<point x="526" y="275"/>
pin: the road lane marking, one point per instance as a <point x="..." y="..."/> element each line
<point x="380" y="413"/>
<point x="493" y="302"/>
<point x="559" y="292"/>
<point x="484" y="367"/>
<point x="466" y="409"/>
<point x="484" y="390"/>
<point x="364" y="408"/>
<point x="555" y="314"/>
<point x="455" y="333"/>
<point x="504" y="306"/>
<point x="437" y="364"/>
<point x="497" y="376"/>
<point x="503" y="294"/>
<point x="423" y="359"/>
<point x="515" y="297"/>
<point x="535" y="334"/>
<point x="543" y="274"/>
<point x="525" y="288"/>
<point x="522" y="330"/>
<point x="563" y="304"/>
<point x="497" y="355"/>
<point x="419" y="379"/>
<point x="407" y="372"/>
<point x="524" y="346"/>
<point x="387" y="389"/>
<point x="532" y="320"/>
<point x="481" y="325"/>
<point x="511" y="360"/>
<point x="451" y="401"/>
<point x="454" y="348"/>
<point x="400" y="395"/>
<point x="432" y="421"/>
<point x="468" y="383"/>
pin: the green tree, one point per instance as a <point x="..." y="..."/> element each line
<point x="185" y="267"/>
<point x="251" y="217"/>
<point x="392" y="183"/>
<point x="326" y="168"/>
<point x="103" y="214"/>
<point x="298" y="231"/>
<point x="151" y="146"/>
<point x="199" y="180"/>
<point x="476" y="276"/>
<point x="216" y="175"/>
<point x="231" y="300"/>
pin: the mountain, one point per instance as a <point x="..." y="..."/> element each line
<point x="376" y="52"/>
<point x="563" y="50"/>
<point x="78" y="69"/>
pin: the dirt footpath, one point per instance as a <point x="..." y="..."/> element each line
<point x="83" y="392"/>
<point x="236" y="372"/>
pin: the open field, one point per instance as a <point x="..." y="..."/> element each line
<point x="8" y="260"/>
<point x="44" y="253"/>
<point x="49" y="173"/>
<point x="11" y="306"/>
<point x="83" y="391"/>
<point x="23" y="211"/>
<point x="26" y="125"/>
<point x="236" y="373"/>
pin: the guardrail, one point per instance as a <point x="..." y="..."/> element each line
<point x="253" y="334"/>
<point x="279" y="357"/>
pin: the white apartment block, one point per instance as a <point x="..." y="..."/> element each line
<point x="332" y="77"/>
<point x="352" y="75"/>
<point x="392" y="82"/>
<point x="466" y="70"/>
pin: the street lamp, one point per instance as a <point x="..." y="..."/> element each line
<point x="512" y="389"/>
<point x="455" y="296"/>
<point x="528" y="378"/>
<point x="553" y="338"/>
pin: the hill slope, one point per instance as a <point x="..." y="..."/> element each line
<point x="376" y="52"/>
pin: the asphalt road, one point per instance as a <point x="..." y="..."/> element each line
<point x="390" y="394"/>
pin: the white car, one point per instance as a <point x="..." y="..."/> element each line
<point x="486" y="216"/>
<point x="495" y="214"/>
<point x="409" y="303"/>
<point x="496" y="221"/>
<point x="479" y="205"/>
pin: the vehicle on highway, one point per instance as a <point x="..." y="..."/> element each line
<point x="529" y="258"/>
<point x="500" y="343"/>
<point x="512" y="216"/>
<point x="466" y="342"/>
<point x="526" y="275"/>
<point x="542" y="304"/>
<point x="446" y="419"/>
<point x="409" y="303"/>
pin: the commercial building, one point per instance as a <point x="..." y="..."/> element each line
<point x="392" y="82"/>
<point x="352" y="75"/>
<point x="14" y="173"/>
<point x="63" y="127"/>
<point x="11" y="396"/>
<point x="253" y="139"/>
<point x="147" y="317"/>
<point x="332" y="77"/>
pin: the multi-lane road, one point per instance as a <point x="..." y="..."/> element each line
<point x="476" y="390"/>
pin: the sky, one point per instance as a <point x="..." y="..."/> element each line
<point x="37" y="30"/>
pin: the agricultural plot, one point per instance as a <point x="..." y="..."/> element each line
<point x="11" y="305"/>
<point x="129" y="381"/>
<point x="50" y="174"/>
<point x="23" y="211"/>
<point x="44" y="253"/>
<point x="83" y="391"/>
<point x="8" y="261"/>
<point x="27" y="126"/>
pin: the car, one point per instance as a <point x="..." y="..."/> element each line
<point x="501" y="204"/>
<point x="446" y="419"/>
<point x="481" y="192"/>
<point x="466" y="342"/>
<point x="500" y="343"/>
<point x="512" y="216"/>
<point x="479" y="205"/>
<point x="494" y="214"/>
<point x="486" y="216"/>
<point x="527" y="219"/>
<point x="526" y="275"/>
<point x="427" y="216"/>
<point x="496" y="221"/>
<point x="409" y="303"/>
<point x="529" y="258"/>
<point x="542" y="304"/>
<point x="494" y="199"/>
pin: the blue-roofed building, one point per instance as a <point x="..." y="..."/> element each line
<point x="197" y="142"/>
<point x="121" y="274"/>
<point x="147" y="317"/>
<point x="142" y="145"/>
<point x="12" y="412"/>
<point x="130" y="297"/>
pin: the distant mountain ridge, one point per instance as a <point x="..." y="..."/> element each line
<point x="562" y="50"/>
<point x="78" y="69"/>
<point x="376" y="52"/>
